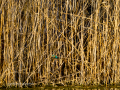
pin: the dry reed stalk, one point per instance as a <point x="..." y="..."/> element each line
<point x="0" y="49"/>
<point x="82" y="50"/>
<point x="1" y="29"/>
<point x="76" y="57"/>
<point x="72" y="61"/>
<point x="48" y="58"/>
<point x="116" y="39"/>
<point x="95" y="39"/>
<point x="90" y="42"/>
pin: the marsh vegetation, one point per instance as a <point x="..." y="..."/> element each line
<point x="84" y="34"/>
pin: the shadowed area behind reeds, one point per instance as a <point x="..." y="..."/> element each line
<point x="84" y="34"/>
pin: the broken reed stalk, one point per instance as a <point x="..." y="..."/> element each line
<point x="84" y="34"/>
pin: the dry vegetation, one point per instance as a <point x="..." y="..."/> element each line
<point x="85" y="34"/>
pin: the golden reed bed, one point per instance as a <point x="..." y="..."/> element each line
<point x="84" y="34"/>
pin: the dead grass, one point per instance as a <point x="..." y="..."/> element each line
<point x="83" y="33"/>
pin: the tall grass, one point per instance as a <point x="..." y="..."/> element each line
<point x="83" y="33"/>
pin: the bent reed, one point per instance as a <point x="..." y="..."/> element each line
<point x="84" y="34"/>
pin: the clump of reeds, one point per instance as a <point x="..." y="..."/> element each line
<point x="84" y="34"/>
